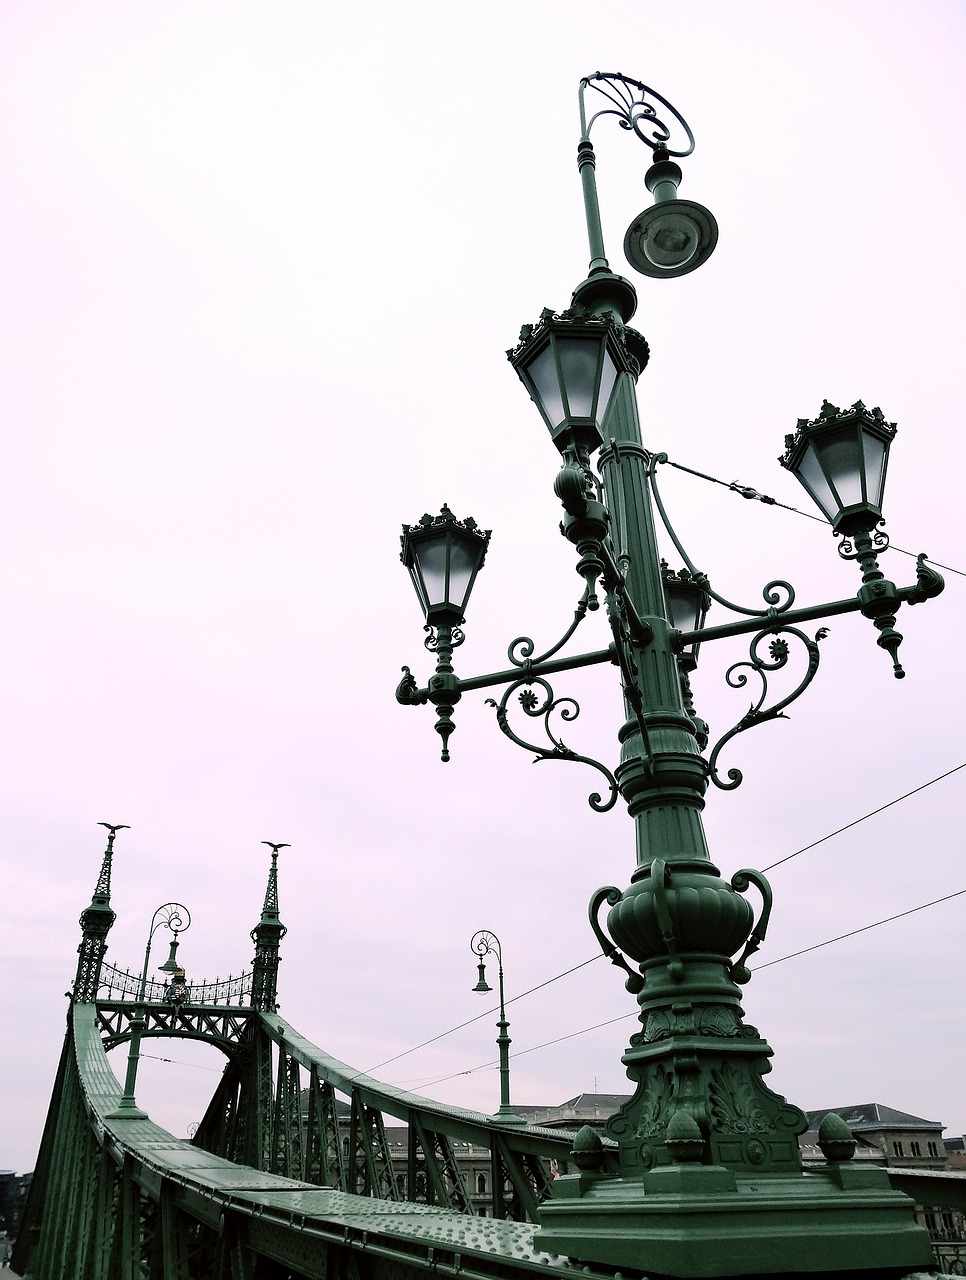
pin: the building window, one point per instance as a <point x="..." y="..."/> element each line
<point x="481" y="1184"/>
<point x="897" y="1149"/>
<point x="915" y="1149"/>
<point x="933" y="1150"/>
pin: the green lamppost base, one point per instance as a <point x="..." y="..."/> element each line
<point x="506" y="1117"/>
<point x="127" y="1110"/>
<point x="707" y="1220"/>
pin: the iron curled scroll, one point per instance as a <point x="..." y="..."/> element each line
<point x="639" y="109"/>
<point x="778" y="595"/>
<point x="611" y="895"/>
<point x="779" y="651"/>
<point x="542" y="708"/>
<point x="740" y="882"/>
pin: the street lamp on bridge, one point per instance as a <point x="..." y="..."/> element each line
<point x="710" y="1178"/>
<point x="176" y="918"/>
<point x="482" y="944"/>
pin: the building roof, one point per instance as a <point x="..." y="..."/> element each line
<point x="873" y="1115"/>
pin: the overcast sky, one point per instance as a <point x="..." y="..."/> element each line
<point x="259" y="264"/>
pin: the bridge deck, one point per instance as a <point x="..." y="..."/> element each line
<point x="282" y="1217"/>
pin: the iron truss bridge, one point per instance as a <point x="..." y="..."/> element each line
<point x="290" y="1174"/>
<point x="121" y="1197"/>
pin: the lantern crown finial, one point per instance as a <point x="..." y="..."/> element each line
<point x="840" y="458"/>
<point x="443" y="556"/>
<point x="569" y="363"/>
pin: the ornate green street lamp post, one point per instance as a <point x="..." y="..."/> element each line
<point x="482" y="944"/>
<point x="176" y="918"/>
<point x="710" y="1179"/>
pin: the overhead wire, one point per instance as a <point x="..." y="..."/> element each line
<point x="623" y="1017"/>
<point x="633" y="1013"/>
<point x="747" y="491"/>
<point x="750" y="493"/>
<point x="871" y="814"/>
<point x="486" y="1013"/>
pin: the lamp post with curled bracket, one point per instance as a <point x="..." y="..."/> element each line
<point x="710" y="1179"/>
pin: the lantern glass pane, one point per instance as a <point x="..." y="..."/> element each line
<point x="672" y="239"/>
<point x="875" y="459"/>
<point x="841" y="457"/>
<point x="813" y="478"/>
<point x="682" y="608"/>
<point x="431" y="557"/>
<point x="608" y="376"/>
<point x="579" y="359"/>
<point x="543" y="375"/>
<point x="462" y="566"/>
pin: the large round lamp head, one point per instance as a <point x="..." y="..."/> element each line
<point x="840" y="458"/>
<point x="671" y="238"/>
<point x="674" y="236"/>
<point x="443" y="556"/>
<point x="570" y="365"/>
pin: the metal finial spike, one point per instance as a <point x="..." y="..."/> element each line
<point x="275" y="847"/>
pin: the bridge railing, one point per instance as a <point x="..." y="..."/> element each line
<point x="115" y="1195"/>
<point x="123" y="985"/>
<point x="290" y="1108"/>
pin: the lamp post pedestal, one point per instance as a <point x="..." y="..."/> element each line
<point x="692" y="1220"/>
<point x="710" y="1179"/>
<point x="127" y="1107"/>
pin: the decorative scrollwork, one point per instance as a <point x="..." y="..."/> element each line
<point x="634" y="104"/>
<point x="929" y="582"/>
<point x="452" y="639"/>
<point x="849" y="550"/>
<point x="740" y="882"/>
<point x="520" y="650"/>
<point x="779" y="652"/>
<point x="407" y="691"/>
<point x="612" y="896"/>
<point x="543" y="708"/>
<point x="779" y="595"/>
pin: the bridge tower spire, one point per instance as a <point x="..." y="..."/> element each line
<point x="95" y="922"/>
<point x="267" y="935"/>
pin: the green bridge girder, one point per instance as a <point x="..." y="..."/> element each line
<point x="276" y="1184"/>
<point x="117" y="1196"/>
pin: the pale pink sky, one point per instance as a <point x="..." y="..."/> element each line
<point x="259" y="267"/>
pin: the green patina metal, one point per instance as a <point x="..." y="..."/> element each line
<point x="699" y="1174"/>
<point x="710" y="1179"/>
<point x="267" y="937"/>
<point x="273" y="1174"/>
<point x="95" y="923"/>
<point x="484" y="943"/>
